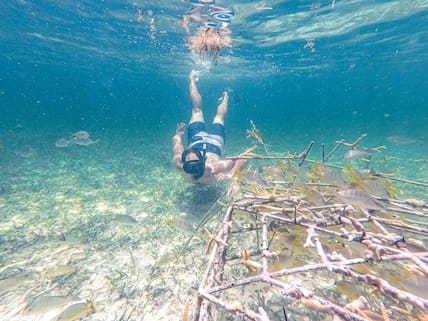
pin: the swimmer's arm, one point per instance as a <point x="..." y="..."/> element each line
<point x="177" y="146"/>
<point x="227" y="169"/>
<point x="237" y="165"/>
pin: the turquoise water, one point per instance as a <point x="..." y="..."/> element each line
<point x="301" y="71"/>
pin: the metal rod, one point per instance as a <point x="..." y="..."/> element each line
<point x="338" y="144"/>
<point x="323" y="152"/>
<point x="305" y="153"/>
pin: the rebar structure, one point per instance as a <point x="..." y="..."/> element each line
<point x="292" y="250"/>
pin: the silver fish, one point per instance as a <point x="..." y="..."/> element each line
<point x="46" y="303"/>
<point x="60" y="270"/>
<point x="62" y="142"/>
<point x="119" y="219"/>
<point x="402" y="140"/>
<point x="360" y="199"/>
<point x="333" y="178"/>
<point x="83" y="142"/>
<point x="76" y="311"/>
<point x="312" y="195"/>
<point x="357" y="153"/>
<point x="377" y="187"/>
<point x="252" y="177"/>
<point x="272" y="171"/>
<point x="124" y="219"/>
<point x="181" y="224"/>
<point x="14" y="281"/>
<point x="81" y="134"/>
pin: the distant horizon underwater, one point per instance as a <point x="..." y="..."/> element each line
<point x="101" y="222"/>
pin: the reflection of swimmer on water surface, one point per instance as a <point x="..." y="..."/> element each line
<point x="212" y="33"/>
<point x="206" y="13"/>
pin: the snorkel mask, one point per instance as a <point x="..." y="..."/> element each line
<point x="194" y="167"/>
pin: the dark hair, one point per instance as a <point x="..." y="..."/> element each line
<point x="194" y="167"/>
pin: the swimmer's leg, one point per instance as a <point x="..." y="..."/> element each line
<point x="222" y="109"/>
<point x="196" y="99"/>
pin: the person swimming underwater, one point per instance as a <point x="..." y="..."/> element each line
<point x="201" y="160"/>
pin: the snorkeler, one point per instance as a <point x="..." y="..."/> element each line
<point x="201" y="160"/>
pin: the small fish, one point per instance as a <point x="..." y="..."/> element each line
<point x="25" y="151"/>
<point x="72" y="238"/>
<point x="347" y="289"/>
<point x="62" y="142"/>
<point x="46" y="303"/>
<point x="272" y="171"/>
<point x="401" y="140"/>
<point x="124" y="219"/>
<point x="291" y="171"/>
<point x="81" y="134"/>
<point x="366" y="171"/>
<point x="60" y="270"/>
<point x="252" y="177"/>
<point x="378" y="187"/>
<point x="288" y="245"/>
<point x="332" y="178"/>
<point x="181" y="225"/>
<point x="356" y="175"/>
<point x="14" y="281"/>
<point x="76" y="311"/>
<point x="415" y="202"/>
<point x="415" y="245"/>
<point x="119" y="219"/>
<point x="83" y="142"/>
<point x="312" y="196"/>
<point x="357" y="153"/>
<point x="359" y="199"/>
<point x="166" y="258"/>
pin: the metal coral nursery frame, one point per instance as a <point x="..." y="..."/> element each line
<point x="242" y="257"/>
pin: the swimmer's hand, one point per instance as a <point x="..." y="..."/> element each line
<point x="179" y="130"/>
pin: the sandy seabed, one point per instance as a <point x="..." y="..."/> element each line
<point x="92" y="224"/>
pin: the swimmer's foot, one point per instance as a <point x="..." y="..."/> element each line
<point x="224" y="96"/>
<point x="194" y="75"/>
